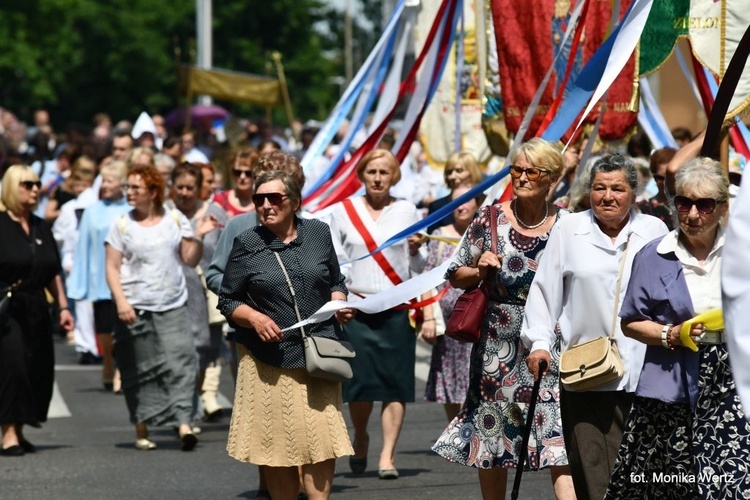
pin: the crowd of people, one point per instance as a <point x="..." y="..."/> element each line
<point x="130" y="242"/>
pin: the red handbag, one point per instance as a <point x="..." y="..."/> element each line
<point x="465" y="322"/>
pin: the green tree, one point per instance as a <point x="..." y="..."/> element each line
<point x="80" y="57"/>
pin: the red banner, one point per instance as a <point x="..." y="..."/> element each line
<point x="528" y="34"/>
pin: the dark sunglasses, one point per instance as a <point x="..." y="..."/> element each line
<point x="532" y="173"/>
<point x="239" y="173"/>
<point x="705" y="206"/>
<point x="29" y="185"/>
<point x="273" y="198"/>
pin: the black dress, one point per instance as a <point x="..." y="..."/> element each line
<point x="27" y="361"/>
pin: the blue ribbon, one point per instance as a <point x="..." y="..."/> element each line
<point x="441" y="213"/>
<point x="584" y="87"/>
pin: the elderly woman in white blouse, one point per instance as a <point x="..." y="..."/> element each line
<point x="575" y="287"/>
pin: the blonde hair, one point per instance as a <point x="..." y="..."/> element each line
<point x="466" y="160"/>
<point x="14" y="176"/>
<point x="376" y="154"/>
<point x="118" y="168"/>
<point x="136" y="152"/>
<point x="541" y="154"/>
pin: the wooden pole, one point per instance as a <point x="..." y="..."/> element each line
<point x="282" y="83"/>
<point x="724" y="152"/>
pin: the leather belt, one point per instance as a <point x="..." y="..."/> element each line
<point x="712" y="337"/>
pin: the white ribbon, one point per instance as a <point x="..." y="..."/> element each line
<point x="384" y="300"/>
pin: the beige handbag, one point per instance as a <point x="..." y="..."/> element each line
<point x="212" y="301"/>
<point x="597" y="362"/>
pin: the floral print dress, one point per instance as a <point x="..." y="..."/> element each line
<point x="488" y="432"/>
<point x="448" y="380"/>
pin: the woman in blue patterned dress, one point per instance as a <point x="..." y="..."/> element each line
<point x="488" y="431"/>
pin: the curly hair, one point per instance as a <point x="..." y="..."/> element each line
<point x="153" y="180"/>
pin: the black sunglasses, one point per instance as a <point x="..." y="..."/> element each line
<point x="273" y="198"/>
<point x="29" y="185"/>
<point x="532" y="173"/>
<point x="239" y="172"/>
<point x="705" y="206"/>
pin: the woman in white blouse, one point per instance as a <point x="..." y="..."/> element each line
<point x="575" y="287"/>
<point x="384" y="342"/>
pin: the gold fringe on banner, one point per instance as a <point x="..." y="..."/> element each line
<point x="636" y="92"/>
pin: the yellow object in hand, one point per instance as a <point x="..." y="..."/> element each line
<point x="712" y="320"/>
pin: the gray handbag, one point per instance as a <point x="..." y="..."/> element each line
<point x="324" y="358"/>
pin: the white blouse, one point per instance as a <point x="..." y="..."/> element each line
<point x="575" y="286"/>
<point x="366" y="277"/>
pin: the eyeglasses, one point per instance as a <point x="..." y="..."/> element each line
<point x="273" y="198"/>
<point x="705" y="206"/>
<point x="239" y="173"/>
<point x="29" y="185"/>
<point x="532" y="173"/>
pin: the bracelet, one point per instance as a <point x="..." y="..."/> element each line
<point x="426" y="320"/>
<point x="61" y="309"/>
<point x="665" y="340"/>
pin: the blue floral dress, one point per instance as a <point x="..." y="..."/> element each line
<point x="489" y="429"/>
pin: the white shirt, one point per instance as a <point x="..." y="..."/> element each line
<point x="703" y="280"/>
<point x="366" y="277"/>
<point x="735" y="287"/>
<point x="151" y="271"/>
<point x="575" y="285"/>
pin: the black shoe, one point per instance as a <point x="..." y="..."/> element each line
<point x="89" y="359"/>
<point x="108" y="386"/>
<point x="188" y="441"/>
<point x="27" y="446"/>
<point x="214" y="415"/>
<point x="12" y="451"/>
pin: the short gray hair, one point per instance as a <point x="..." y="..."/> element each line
<point x="291" y="184"/>
<point x="165" y="160"/>
<point x="615" y="163"/>
<point x="703" y="176"/>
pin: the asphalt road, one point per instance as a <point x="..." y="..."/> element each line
<point x="85" y="451"/>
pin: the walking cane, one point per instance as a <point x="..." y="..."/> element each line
<point x="527" y="431"/>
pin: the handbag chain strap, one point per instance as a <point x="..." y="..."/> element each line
<point x="617" y="290"/>
<point x="291" y="289"/>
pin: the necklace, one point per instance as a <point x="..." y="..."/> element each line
<point x="513" y="205"/>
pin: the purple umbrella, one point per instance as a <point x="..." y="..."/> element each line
<point x="199" y="114"/>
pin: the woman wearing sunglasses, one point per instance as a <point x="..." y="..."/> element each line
<point x="488" y="431"/>
<point x="239" y="200"/>
<point x="686" y="417"/>
<point x="573" y="296"/>
<point x="30" y="262"/>
<point x="284" y="419"/>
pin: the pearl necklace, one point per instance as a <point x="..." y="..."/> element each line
<point x="514" y="204"/>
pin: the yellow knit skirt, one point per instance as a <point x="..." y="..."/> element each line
<point x="283" y="417"/>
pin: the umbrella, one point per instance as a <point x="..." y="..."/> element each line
<point x="199" y="113"/>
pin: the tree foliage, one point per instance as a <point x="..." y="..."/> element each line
<point x="80" y="57"/>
